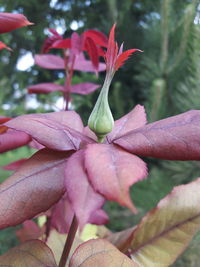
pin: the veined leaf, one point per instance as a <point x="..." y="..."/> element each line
<point x="33" y="188"/>
<point x="165" y="231"/>
<point x="113" y="171"/>
<point x="29" y="254"/>
<point x="174" y="138"/>
<point x="99" y="253"/>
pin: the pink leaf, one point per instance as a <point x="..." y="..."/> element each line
<point x="113" y="171"/>
<point x="133" y="120"/>
<point x="2" y="46"/>
<point x="85" y="201"/>
<point x="98" y="37"/>
<point x="174" y="138"/>
<point x="56" y="130"/>
<point x="30" y="230"/>
<point x="123" y="57"/>
<point x="13" y="166"/>
<point x="45" y="88"/>
<point x="84" y="88"/>
<point x="33" y="188"/>
<point x="62" y="215"/>
<point x="51" y="62"/>
<point x="12" y="139"/>
<point x="76" y="43"/>
<point x="10" y="22"/>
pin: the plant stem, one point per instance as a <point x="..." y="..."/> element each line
<point x="69" y="242"/>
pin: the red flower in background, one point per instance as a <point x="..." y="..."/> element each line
<point x="10" y="22"/>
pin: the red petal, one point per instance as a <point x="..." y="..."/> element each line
<point x="174" y="138"/>
<point x="10" y="22"/>
<point x="123" y="57"/>
<point x="45" y="88"/>
<point x="112" y="50"/>
<point x="113" y="171"/>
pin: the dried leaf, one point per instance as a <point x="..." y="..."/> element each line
<point x="29" y="254"/>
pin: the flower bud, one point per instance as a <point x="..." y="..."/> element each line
<point x="101" y="121"/>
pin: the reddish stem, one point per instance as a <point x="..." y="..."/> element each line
<point x="69" y="242"/>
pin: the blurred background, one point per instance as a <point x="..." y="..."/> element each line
<point x="165" y="79"/>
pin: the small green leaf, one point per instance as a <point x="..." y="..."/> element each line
<point x="29" y="254"/>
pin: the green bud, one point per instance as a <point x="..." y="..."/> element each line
<point x="101" y="121"/>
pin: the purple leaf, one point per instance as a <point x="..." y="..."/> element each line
<point x="86" y="65"/>
<point x="174" y="138"/>
<point x="85" y="201"/>
<point x="12" y="139"/>
<point x="45" y="88"/>
<point x="133" y="120"/>
<point x="84" y="88"/>
<point x="56" y="130"/>
<point x="33" y="188"/>
<point x="50" y="62"/>
<point x="112" y="171"/>
<point x="62" y="215"/>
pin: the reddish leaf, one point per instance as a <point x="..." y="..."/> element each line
<point x="113" y="171"/>
<point x="133" y="120"/>
<point x="33" y="188"/>
<point x="62" y="215"/>
<point x="30" y="230"/>
<point x="13" y="166"/>
<point x="93" y="52"/>
<point x="85" y="201"/>
<point x="56" y="130"/>
<point x="12" y="139"/>
<point x="112" y="50"/>
<point x="4" y="119"/>
<point x="86" y="65"/>
<point x="98" y="37"/>
<point x="84" y="88"/>
<point x="10" y="22"/>
<point x="174" y="138"/>
<point x="51" y="40"/>
<point x="51" y="62"/>
<point x="45" y="88"/>
<point x="29" y="254"/>
<point x="123" y="57"/>
<point x="2" y="46"/>
<point x="63" y="44"/>
<point x="99" y="253"/>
